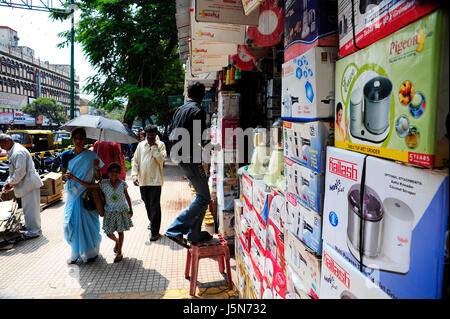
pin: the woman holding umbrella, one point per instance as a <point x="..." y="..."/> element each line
<point x="81" y="226"/>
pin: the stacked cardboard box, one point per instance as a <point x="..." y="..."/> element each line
<point x="385" y="223"/>
<point x="52" y="188"/>
<point x="227" y="182"/>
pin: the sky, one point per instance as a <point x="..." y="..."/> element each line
<point x="36" y="30"/>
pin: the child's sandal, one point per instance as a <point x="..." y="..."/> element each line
<point x="118" y="258"/>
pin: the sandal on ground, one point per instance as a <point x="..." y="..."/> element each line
<point x="71" y="262"/>
<point x="155" y="238"/>
<point x="179" y="240"/>
<point x="118" y="258"/>
<point x="91" y="259"/>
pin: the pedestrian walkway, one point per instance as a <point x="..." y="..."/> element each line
<point x="37" y="268"/>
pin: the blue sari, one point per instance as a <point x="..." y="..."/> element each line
<point x="81" y="227"/>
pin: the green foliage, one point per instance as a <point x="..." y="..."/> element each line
<point x="47" y="107"/>
<point x="133" y="47"/>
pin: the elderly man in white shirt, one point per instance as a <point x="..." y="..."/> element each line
<point x="26" y="182"/>
<point x="147" y="173"/>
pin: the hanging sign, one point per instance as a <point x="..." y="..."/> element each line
<point x="201" y="73"/>
<point x="210" y="60"/>
<point x="219" y="32"/>
<point x="271" y="26"/>
<point x="212" y="48"/>
<point x="224" y="11"/>
<point x="250" y="5"/>
<point x="6" y="118"/>
<point x="242" y="60"/>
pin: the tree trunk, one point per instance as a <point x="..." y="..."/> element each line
<point x="128" y="120"/>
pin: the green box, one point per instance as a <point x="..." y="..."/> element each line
<point x="394" y="95"/>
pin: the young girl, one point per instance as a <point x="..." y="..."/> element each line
<point x="118" y="209"/>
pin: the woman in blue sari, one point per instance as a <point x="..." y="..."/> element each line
<point x="81" y="226"/>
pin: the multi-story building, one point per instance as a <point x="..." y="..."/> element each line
<point x="23" y="78"/>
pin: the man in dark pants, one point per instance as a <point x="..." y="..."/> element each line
<point x="147" y="173"/>
<point x="188" y="124"/>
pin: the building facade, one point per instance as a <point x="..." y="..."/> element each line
<point x="23" y="78"/>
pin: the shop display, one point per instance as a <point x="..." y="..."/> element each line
<point x="228" y="105"/>
<point x="225" y="129"/>
<point x="313" y="201"/>
<point x="294" y="286"/>
<point x="241" y="226"/>
<point x="374" y="20"/>
<point x="226" y="223"/>
<point x="386" y="105"/>
<point x="307" y="24"/>
<point x="259" y="227"/>
<point x="227" y="192"/>
<point x="261" y="193"/>
<point x="341" y="280"/>
<point x="306" y="142"/>
<point x="304" y="223"/>
<point x="392" y="226"/>
<point x="304" y="184"/>
<point x="304" y="263"/>
<point x="261" y="154"/>
<point x="308" y="85"/>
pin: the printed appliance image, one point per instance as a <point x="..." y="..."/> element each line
<point x="387" y="229"/>
<point x="370" y="106"/>
<point x="309" y="20"/>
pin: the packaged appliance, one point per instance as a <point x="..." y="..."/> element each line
<point x="309" y="23"/>
<point x="304" y="223"/>
<point x="341" y="280"/>
<point x="304" y="263"/>
<point x="363" y="22"/>
<point x="275" y="171"/>
<point x="306" y="142"/>
<point x="305" y="184"/>
<point x="387" y="106"/>
<point x="388" y="220"/>
<point x="261" y="154"/>
<point x="308" y="85"/>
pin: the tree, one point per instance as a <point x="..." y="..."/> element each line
<point x="133" y="47"/>
<point x="47" y="107"/>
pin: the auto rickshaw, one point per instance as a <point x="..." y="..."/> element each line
<point x="34" y="140"/>
<point x="62" y="139"/>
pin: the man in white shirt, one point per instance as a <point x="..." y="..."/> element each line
<point x="26" y="182"/>
<point x="147" y="173"/>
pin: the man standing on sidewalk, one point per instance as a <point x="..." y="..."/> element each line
<point x="190" y="118"/>
<point x="147" y="173"/>
<point x="26" y="182"/>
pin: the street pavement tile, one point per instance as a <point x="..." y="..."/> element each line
<point x="149" y="270"/>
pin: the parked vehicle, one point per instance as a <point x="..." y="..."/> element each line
<point x="62" y="139"/>
<point x="34" y="140"/>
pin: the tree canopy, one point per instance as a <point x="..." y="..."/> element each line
<point x="132" y="46"/>
<point x="47" y="107"/>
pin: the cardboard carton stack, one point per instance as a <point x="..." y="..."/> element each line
<point x="52" y="188"/>
<point x="385" y="223"/>
<point x="227" y="183"/>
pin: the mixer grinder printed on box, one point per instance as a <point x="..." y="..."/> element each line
<point x="394" y="224"/>
<point x="386" y="105"/>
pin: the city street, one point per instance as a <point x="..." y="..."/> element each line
<point x="37" y="268"/>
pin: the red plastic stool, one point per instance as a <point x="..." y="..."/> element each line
<point x="218" y="248"/>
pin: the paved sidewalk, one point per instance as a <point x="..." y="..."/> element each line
<point x="37" y="268"/>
